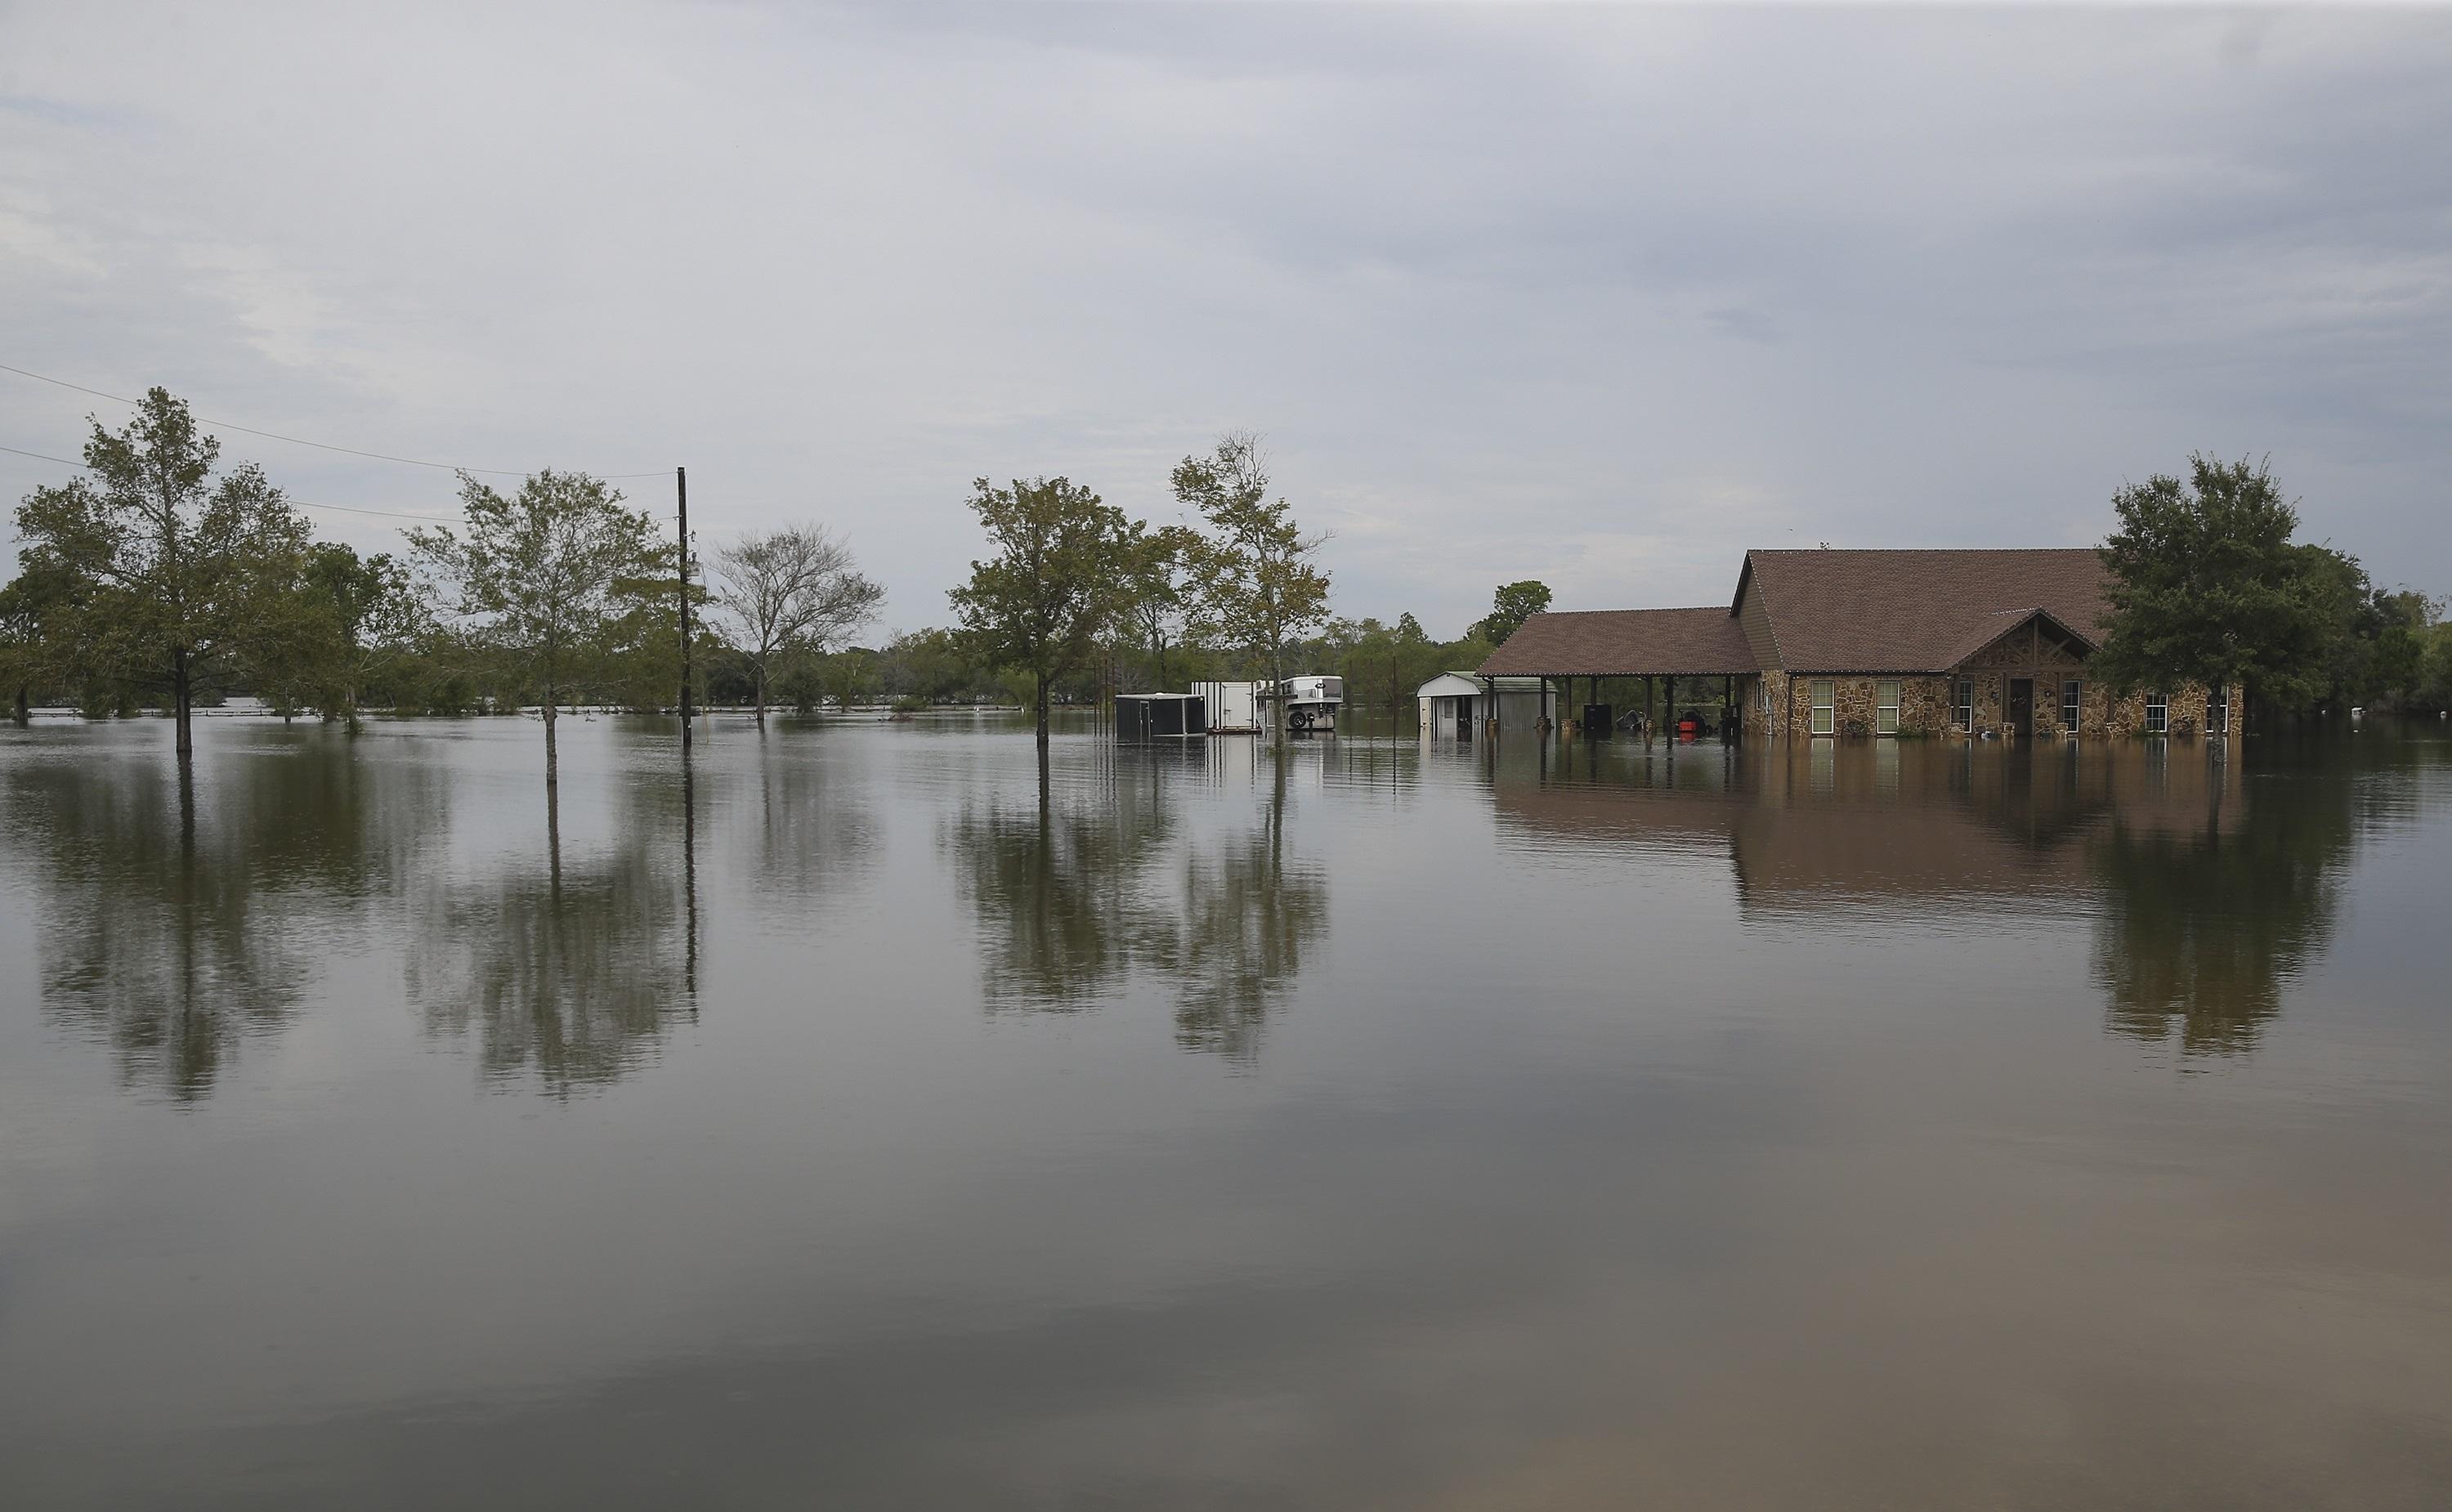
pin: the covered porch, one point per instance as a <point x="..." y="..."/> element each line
<point x="1647" y="672"/>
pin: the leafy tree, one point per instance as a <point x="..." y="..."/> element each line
<point x="2208" y="588"/>
<point x="33" y="603"/>
<point x="792" y="587"/>
<point x="1256" y="584"/>
<point x="850" y="677"/>
<point x="1511" y="606"/>
<point x="1057" y="583"/>
<point x="1156" y="566"/>
<point x="546" y="577"/>
<point x="181" y="574"/>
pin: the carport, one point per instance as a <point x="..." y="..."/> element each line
<point x="1660" y="647"/>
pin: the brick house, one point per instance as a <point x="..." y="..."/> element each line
<point x="1879" y="642"/>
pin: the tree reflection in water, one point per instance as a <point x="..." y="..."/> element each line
<point x="567" y="971"/>
<point x="1087" y="892"/>
<point x="2203" y="928"/>
<point x="178" y="909"/>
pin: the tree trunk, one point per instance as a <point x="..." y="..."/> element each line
<point x="179" y="691"/>
<point x="24" y="712"/>
<point x="1042" y="714"/>
<point x="552" y="761"/>
<point x="758" y="686"/>
<point x="1277" y="686"/>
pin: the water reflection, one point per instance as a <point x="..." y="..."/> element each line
<point x="2208" y="893"/>
<point x="567" y="969"/>
<point x="2202" y="928"/>
<point x="1087" y="890"/>
<point x="185" y="911"/>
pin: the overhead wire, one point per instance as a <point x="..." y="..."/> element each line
<point x="300" y="440"/>
<point x="346" y="509"/>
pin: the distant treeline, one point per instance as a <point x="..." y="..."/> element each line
<point x="155" y="580"/>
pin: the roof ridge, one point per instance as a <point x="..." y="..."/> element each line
<point x="1901" y="551"/>
<point x="1670" y="609"/>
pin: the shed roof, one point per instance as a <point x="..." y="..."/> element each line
<point x="1469" y="685"/>
<point x="1917" y="610"/>
<point x="1625" y="643"/>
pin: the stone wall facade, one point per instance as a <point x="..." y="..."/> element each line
<point x="1782" y="705"/>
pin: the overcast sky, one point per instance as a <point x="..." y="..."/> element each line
<point x="1599" y="296"/>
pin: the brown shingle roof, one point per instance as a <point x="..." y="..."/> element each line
<point x="1624" y="642"/>
<point x="1915" y="611"/>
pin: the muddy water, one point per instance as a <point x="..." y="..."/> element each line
<point x="855" y="1122"/>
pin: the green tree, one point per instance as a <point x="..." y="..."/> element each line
<point x="31" y="605"/>
<point x="547" y="577"/>
<point x="183" y="574"/>
<point x="1255" y="579"/>
<point x="1511" y="606"/>
<point x="2208" y="587"/>
<point x="1156" y="566"/>
<point x="793" y="587"/>
<point x="343" y="621"/>
<point x="1054" y="585"/>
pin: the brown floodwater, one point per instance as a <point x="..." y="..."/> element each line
<point x="855" y="1123"/>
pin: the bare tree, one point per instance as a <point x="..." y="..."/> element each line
<point x="791" y="587"/>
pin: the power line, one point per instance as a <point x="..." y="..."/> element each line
<point x="300" y="440"/>
<point x="42" y="456"/>
<point x="387" y="514"/>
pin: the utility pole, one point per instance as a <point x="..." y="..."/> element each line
<point x="680" y="489"/>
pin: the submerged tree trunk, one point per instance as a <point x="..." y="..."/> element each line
<point x="179" y="690"/>
<point x="24" y="712"/>
<point x="1042" y="716"/>
<point x="758" y="691"/>
<point x="553" y="764"/>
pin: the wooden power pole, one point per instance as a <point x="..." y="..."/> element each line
<point x="680" y="492"/>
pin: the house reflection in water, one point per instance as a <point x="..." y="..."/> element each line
<point x="2206" y="893"/>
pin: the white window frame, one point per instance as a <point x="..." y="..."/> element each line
<point x="2158" y="713"/>
<point x="2072" y="703"/>
<point x="1886" y="705"/>
<point x="1961" y="702"/>
<point x="2218" y="709"/>
<point x="1822" y="705"/>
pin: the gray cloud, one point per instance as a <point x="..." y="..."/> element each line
<point x="1601" y="296"/>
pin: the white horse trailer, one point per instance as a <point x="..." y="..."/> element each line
<point x="1309" y="704"/>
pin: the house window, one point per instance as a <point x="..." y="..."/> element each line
<point x="1885" y="706"/>
<point x="2070" y="703"/>
<point x="1962" y="704"/>
<point x="2158" y="713"/>
<point x="2218" y="711"/>
<point x="1826" y="706"/>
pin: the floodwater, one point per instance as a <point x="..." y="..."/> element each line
<point x="850" y="1125"/>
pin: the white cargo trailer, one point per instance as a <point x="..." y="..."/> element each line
<point x="1234" y="707"/>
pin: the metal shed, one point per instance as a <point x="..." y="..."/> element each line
<point x="1144" y="716"/>
<point x="1456" y="704"/>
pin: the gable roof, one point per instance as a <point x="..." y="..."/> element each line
<point x="1625" y="643"/>
<point x="1917" y="610"/>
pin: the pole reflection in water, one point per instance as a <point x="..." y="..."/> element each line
<point x="568" y="975"/>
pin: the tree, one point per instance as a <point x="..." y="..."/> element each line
<point x="350" y="618"/>
<point x="2208" y="588"/>
<point x="546" y="576"/>
<point x="29" y="605"/>
<point x="792" y="587"/>
<point x="1057" y="583"/>
<point x="180" y="574"/>
<point x="1511" y="606"/>
<point x="1155" y="566"/>
<point x="1253" y="578"/>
